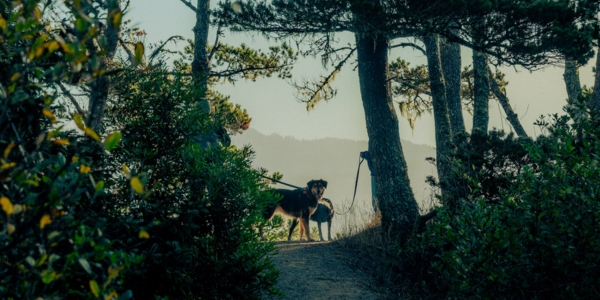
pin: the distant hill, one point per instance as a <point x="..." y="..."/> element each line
<point x="335" y="160"/>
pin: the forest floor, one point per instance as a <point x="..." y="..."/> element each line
<point x="320" y="270"/>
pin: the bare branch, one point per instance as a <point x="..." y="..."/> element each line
<point x="189" y="4"/>
<point x="175" y="37"/>
<point x="410" y="45"/>
<point x="216" y="45"/>
<point x="73" y="100"/>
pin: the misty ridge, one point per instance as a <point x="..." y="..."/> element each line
<point x="336" y="161"/>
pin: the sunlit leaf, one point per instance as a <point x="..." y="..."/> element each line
<point x="85" y="265"/>
<point x="10" y="228"/>
<point x="139" y="52"/>
<point x="125" y="170"/>
<point x="84" y="169"/>
<point x="62" y="142"/>
<point x="75" y="159"/>
<point x="117" y="17"/>
<point x="112" y="274"/>
<point x="136" y="185"/>
<point x="15" y="76"/>
<point x="144" y="234"/>
<point x="95" y="288"/>
<point x="112" y="295"/>
<point x="112" y="140"/>
<point x="92" y="134"/>
<point x="48" y="276"/>
<point x="46" y="112"/>
<point x="7" y="206"/>
<point x="79" y="121"/>
<point x="8" y="150"/>
<point x="45" y="220"/>
<point x="99" y="186"/>
<point x="2" y="23"/>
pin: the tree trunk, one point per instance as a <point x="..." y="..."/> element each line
<point x="451" y="66"/>
<point x="399" y="210"/>
<point x="101" y="85"/>
<point x="571" y="77"/>
<point x="481" y="115"/>
<point x="511" y="116"/>
<point x="443" y="132"/>
<point x="200" y="63"/>
<point x="595" y="103"/>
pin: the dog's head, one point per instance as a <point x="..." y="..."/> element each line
<point x="317" y="188"/>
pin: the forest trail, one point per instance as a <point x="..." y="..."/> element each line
<point x="319" y="270"/>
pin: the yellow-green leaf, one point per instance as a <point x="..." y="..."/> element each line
<point x="10" y="228"/>
<point x="99" y="186"/>
<point x="139" y="52"/>
<point x="117" y="16"/>
<point x="62" y="142"/>
<point x="92" y="134"/>
<point x="45" y="220"/>
<point x="84" y="169"/>
<point x="136" y="185"/>
<point x="94" y="288"/>
<point x="144" y="234"/>
<point x="7" y="206"/>
<point x="125" y="170"/>
<point x="112" y="140"/>
<point x="85" y="265"/>
<point x="46" y="112"/>
<point x="79" y="121"/>
<point x="8" y="150"/>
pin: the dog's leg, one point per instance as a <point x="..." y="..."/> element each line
<point x="294" y="223"/>
<point x="306" y="228"/>
<point x="320" y="232"/>
<point x="329" y="230"/>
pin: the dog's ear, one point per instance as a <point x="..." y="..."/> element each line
<point x="324" y="183"/>
<point x="310" y="183"/>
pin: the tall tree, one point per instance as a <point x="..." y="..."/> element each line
<point x="451" y="66"/>
<point x="443" y="131"/>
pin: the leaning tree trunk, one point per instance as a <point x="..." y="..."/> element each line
<point x="595" y="103"/>
<point x="451" y="66"/>
<point x="443" y="133"/>
<point x="101" y="85"/>
<point x="399" y="210"/>
<point x="481" y="94"/>
<point x="200" y="64"/>
<point x="571" y="77"/>
<point x="511" y="116"/>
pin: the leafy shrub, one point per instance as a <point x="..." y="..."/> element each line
<point x="537" y="239"/>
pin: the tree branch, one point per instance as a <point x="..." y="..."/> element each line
<point x="73" y="100"/>
<point x="216" y="45"/>
<point x="189" y="4"/>
<point x="410" y="45"/>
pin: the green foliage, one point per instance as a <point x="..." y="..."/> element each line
<point x="52" y="241"/>
<point x="138" y="212"/>
<point x="536" y="236"/>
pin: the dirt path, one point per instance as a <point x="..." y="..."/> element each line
<point x="319" y="270"/>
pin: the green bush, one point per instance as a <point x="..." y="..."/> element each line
<point x="538" y="236"/>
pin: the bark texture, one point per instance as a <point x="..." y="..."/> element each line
<point x="200" y="63"/>
<point x="571" y="77"/>
<point x="451" y="65"/>
<point x="511" y="116"/>
<point x="399" y="210"/>
<point x="443" y="132"/>
<point x="481" y="95"/>
<point x="101" y="85"/>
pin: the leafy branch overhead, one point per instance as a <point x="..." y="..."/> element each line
<point x="230" y="63"/>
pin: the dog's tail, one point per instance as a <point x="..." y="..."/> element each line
<point x="329" y="205"/>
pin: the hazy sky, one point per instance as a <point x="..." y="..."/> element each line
<point x="274" y="109"/>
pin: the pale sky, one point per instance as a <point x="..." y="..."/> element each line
<point x="274" y="109"/>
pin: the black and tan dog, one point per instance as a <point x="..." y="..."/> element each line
<point x="324" y="213"/>
<point x="299" y="205"/>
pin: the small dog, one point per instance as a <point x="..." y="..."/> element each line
<point x="299" y="205"/>
<point x="324" y="213"/>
